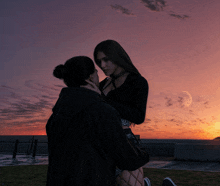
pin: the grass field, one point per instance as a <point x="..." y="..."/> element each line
<point x="35" y="175"/>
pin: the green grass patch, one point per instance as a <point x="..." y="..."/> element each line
<point x="26" y="175"/>
<point x="35" y="175"/>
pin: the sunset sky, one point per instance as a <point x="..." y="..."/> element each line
<point x="175" y="44"/>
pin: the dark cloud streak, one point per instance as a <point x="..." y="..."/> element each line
<point x="122" y="9"/>
<point x="28" y="122"/>
<point x="39" y="86"/>
<point x="169" y="102"/>
<point x="7" y="87"/>
<point x="24" y="109"/>
<point x="179" y="16"/>
<point x="15" y="106"/>
<point x="154" y="5"/>
<point x="159" y="5"/>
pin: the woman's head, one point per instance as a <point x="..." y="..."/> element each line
<point x="114" y="53"/>
<point x="76" y="70"/>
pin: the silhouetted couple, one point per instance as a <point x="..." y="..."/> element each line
<point x="89" y="137"/>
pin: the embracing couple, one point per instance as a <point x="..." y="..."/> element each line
<point x="89" y="137"/>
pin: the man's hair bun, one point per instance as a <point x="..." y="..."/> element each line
<point x="75" y="71"/>
<point x="60" y="71"/>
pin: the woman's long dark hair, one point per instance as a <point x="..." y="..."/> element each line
<point x="75" y="71"/>
<point x="114" y="51"/>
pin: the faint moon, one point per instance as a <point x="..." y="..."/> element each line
<point x="184" y="99"/>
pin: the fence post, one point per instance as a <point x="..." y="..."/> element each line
<point x="35" y="148"/>
<point x="31" y="147"/>
<point x="15" y="149"/>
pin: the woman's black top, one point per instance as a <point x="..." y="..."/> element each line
<point x="130" y="99"/>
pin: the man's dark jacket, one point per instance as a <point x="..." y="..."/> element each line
<point x="86" y="141"/>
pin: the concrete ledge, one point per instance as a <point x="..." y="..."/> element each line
<point x="197" y="152"/>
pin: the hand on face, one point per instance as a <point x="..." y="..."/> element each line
<point x="91" y="86"/>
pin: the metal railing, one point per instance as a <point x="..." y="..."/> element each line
<point x="31" y="147"/>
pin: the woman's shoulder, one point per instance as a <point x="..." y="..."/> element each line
<point x="137" y="79"/>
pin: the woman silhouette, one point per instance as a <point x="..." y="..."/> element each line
<point x="124" y="88"/>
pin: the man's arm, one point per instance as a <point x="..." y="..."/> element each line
<point x="115" y="142"/>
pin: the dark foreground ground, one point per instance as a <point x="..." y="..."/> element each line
<point x="35" y="175"/>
